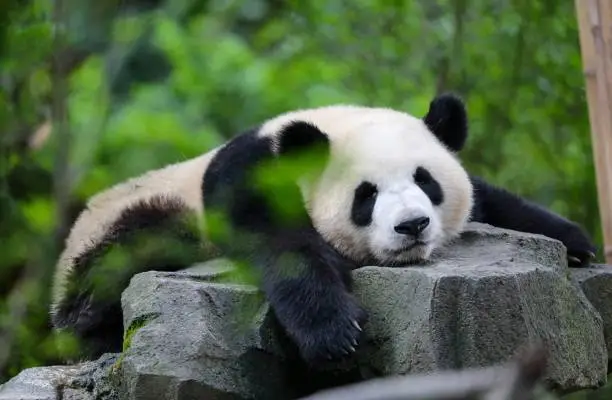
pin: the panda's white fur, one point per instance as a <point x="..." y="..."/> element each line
<point x="381" y="145"/>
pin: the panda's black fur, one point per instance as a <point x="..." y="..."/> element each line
<point x="314" y="305"/>
<point x="163" y="221"/>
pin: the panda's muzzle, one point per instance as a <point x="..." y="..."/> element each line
<point x="412" y="227"/>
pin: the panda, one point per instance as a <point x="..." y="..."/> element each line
<point x="353" y="186"/>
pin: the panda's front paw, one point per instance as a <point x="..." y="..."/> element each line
<point x="325" y="328"/>
<point x="580" y="249"/>
<point x="331" y="339"/>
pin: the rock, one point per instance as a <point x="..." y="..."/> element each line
<point x="199" y="336"/>
<point x="474" y="304"/>
<point x="86" y="381"/>
<point x="483" y="245"/>
<point x="477" y="302"/>
<point x="38" y="383"/>
<point x="596" y="282"/>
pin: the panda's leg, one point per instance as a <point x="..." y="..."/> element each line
<point x="156" y="234"/>
<point x="306" y="281"/>
<point x="498" y="207"/>
<point x="308" y="285"/>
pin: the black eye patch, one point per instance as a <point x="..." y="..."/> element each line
<point x="363" y="204"/>
<point x="429" y="185"/>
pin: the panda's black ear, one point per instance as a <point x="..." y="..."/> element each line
<point x="303" y="151"/>
<point x="298" y="137"/>
<point x="447" y="119"/>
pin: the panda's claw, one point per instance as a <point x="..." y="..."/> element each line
<point x="580" y="250"/>
<point x="346" y="345"/>
<point x="321" y="326"/>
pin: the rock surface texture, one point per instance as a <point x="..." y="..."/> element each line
<point x="192" y="334"/>
<point x="596" y="283"/>
<point x="477" y="303"/>
<point x="86" y="381"/>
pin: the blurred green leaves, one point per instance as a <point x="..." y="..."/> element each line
<point x="276" y="181"/>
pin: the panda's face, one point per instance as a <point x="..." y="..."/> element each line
<point x="391" y="193"/>
<point x="399" y="216"/>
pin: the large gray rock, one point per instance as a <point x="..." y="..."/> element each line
<point x="596" y="282"/>
<point x="199" y="337"/>
<point x="85" y="381"/>
<point x="474" y="304"/>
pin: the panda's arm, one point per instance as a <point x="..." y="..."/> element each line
<point x="305" y="279"/>
<point x="498" y="207"/>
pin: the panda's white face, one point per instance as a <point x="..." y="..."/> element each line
<point x="391" y="193"/>
<point x="399" y="216"/>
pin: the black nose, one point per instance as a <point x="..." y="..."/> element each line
<point x="413" y="226"/>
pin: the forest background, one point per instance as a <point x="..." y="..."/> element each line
<point x="95" y="92"/>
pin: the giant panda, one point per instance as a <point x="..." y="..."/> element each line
<point x="385" y="188"/>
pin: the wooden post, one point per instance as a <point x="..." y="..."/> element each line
<point x="595" y="24"/>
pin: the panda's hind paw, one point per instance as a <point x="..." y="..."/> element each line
<point x="578" y="259"/>
<point x="580" y="249"/>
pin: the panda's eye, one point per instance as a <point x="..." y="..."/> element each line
<point x="429" y="185"/>
<point x="365" y="191"/>
<point x="363" y="204"/>
<point x="422" y="177"/>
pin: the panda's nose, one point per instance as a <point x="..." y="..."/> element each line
<point x="412" y="227"/>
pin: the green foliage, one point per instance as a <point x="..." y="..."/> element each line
<point x="170" y="82"/>
<point x="276" y="181"/>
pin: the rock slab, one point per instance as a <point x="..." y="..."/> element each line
<point x="85" y="381"/>
<point x="463" y="312"/>
<point x="596" y="283"/>
<point x="201" y="338"/>
<point x="476" y="303"/>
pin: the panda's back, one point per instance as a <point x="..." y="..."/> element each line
<point x="182" y="180"/>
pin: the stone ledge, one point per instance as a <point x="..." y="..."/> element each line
<point x="473" y="305"/>
<point x="194" y="334"/>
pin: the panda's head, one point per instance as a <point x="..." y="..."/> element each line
<point x="392" y="189"/>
